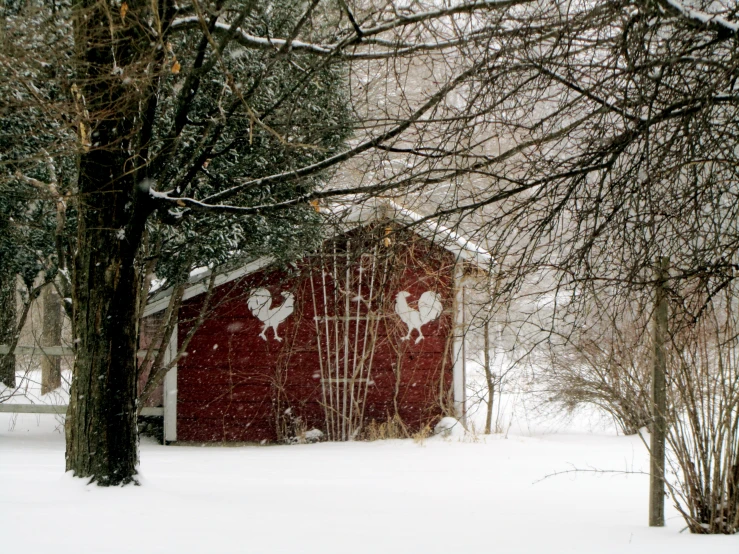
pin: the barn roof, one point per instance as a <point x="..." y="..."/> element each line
<point x="348" y="217"/>
<point x="381" y="209"/>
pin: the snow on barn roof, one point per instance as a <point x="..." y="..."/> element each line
<point x="349" y="216"/>
<point x="378" y="209"/>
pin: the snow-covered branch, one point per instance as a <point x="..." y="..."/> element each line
<point x="361" y="36"/>
<point x="211" y="202"/>
<point x="709" y="20"/>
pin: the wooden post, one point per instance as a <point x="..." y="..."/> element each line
<point x="51" y="335"/>
<point x="489" y="379"/>
<point x="659" y="401"/>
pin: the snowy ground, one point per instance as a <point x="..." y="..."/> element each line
<point x="390" y="496"/>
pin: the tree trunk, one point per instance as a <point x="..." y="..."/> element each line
<point x="51" y="335"/>
<point x="101" y="421"/>
<point x="8" y="323"/>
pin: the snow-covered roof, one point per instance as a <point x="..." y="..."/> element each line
<point x="349" y="216"/>
<point x="379" y="209"/>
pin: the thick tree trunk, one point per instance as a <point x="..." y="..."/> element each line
<point x="51" y="335"/>
<point x="101" y="421"/>
<point x="8" y="323"/>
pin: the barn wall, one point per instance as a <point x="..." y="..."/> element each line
<point x="234" y="386"/>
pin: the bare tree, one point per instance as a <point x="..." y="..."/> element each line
<point x="608" y="142"/>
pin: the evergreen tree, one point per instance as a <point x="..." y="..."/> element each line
<point x="36" y="161"/>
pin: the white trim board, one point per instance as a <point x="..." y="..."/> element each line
<point x="459" y="353"/>
<point x="170" y="391"/>
<point x="160" y="300"/>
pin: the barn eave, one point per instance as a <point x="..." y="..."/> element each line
<point x="350" y="217"/>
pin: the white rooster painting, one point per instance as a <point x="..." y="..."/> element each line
<point x="429" y="309"/>
<point x="260" y="304"/>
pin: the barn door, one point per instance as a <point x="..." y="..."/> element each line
<point x="348" y="295"/>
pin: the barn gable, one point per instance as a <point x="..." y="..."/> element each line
<point x="364" y="330"/>
<point x="370" y="212"/>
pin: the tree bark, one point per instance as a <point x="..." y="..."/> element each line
<point x="51" y="335"/>
<point x="8" y="323"/>
<point x="101" y="421"/>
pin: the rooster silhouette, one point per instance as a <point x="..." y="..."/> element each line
<point x="429" y="308"/>
<point x="260" y="304"/>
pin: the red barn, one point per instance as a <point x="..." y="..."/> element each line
<point x="367" y="329"/>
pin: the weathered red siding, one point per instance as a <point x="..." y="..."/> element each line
<point x="235" y="386"/>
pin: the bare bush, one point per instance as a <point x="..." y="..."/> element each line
<point x="703" y="431"/>
<point x="606" y="364"/>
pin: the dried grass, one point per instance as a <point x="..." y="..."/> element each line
<point x="392" y="428"/>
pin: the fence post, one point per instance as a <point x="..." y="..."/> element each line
<point x="659" y="401"/>
<point x="51" y="335"/>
